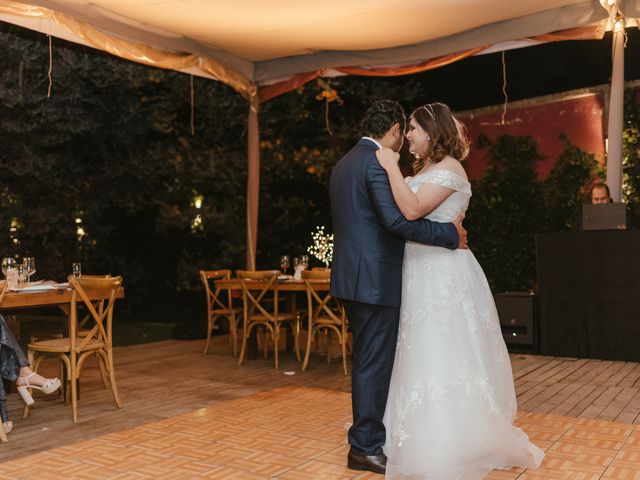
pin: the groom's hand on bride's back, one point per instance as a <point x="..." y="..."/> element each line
<point x="462" y="233"/>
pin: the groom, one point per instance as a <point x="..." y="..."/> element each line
<point x="369" y="236"/>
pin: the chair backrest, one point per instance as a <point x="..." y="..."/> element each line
<point x="326" y="305"/>
<point x="102" y="288"/>
<point x="214" y="299"/>
<point x="98" y="304"/>
<point x="255" y="286"/>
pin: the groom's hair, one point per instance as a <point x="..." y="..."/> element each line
<point x="381" y="116"/>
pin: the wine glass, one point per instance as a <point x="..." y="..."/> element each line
<point x="8" y="263"/>
<point x="284" y="263"/>
<point x="76" y="269"/>
<point x="8" y="266"/>
<point x="22" y="274"/>
<point x="304" y="261"/>
<point x="29" y="264"/>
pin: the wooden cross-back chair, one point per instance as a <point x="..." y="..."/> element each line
<point x="220" y="305"/>
<point x="75" y="349"/>
<point x="260" y="308"/>
<point x="325" y="313"/>
<point x="98" y="304"/>
<point x="83" y="330"/>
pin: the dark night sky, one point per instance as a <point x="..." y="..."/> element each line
<point x="531" y="72"/>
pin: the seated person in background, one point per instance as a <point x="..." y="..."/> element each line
<point x="14" y="367"/>
<point x="600" y="193"/>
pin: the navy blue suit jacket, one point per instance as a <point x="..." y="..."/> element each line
<point x="369" y="231"/>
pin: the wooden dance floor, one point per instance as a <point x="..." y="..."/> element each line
<point x="180" y="421"/>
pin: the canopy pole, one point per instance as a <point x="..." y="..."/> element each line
<point x="616" y="115"/>
<point x="253" y="182"/>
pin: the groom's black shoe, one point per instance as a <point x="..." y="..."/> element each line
<point x="373" y="463"/>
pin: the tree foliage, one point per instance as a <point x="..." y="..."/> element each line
<point x="106" y="171"/>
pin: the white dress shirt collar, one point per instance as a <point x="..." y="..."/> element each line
<point x="374" y="141"/>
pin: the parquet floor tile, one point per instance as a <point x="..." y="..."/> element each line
<point x="299" y="433"/>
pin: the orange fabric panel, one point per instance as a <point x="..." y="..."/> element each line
<point x="270" y="91"/>
<point x="409" y="69"/>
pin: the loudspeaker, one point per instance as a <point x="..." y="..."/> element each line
<point x="518" y="319"/>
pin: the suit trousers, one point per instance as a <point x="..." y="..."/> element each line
<point x="375" y="333"/>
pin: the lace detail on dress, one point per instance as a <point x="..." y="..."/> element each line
<point x="468" y="386"/>
<point x="455" y="204"/>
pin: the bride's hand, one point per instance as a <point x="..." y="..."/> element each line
<point x="462" y="232"/>
<point x="388" y="158"/>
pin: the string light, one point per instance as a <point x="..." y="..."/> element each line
<point x="193" y="106"/>
<point x="504" y="88"/>
<point x="50" y="67"/>
<point x="618" y="26"/>
<point x="322" y="247"/>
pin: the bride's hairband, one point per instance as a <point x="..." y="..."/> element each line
<point x="429" y="109"/>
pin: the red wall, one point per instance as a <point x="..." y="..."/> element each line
<point x="581" y="119"/>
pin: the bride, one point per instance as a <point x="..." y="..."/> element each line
<point x="452" y="402"/>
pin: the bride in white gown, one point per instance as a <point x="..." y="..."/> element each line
<point x="452" y="402"/>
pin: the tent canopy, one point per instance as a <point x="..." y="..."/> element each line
<point x="265" y="48"/>
<point x="252" y="43"/>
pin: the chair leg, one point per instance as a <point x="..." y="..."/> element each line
<point x="266" y="342"/>
<point x="307" y="353"/>
<point x="296" y="338"/>
<point x="73" y="375"/>
<point x="32" y="361"/>
<point x="243" y="348"/>
<point x="276" y="338"/>
<point x="103" y="372"/>
<point x="209" y="328"/>
<point x="63" y="380"/>
<point x="329" y="341"/>
<point x="234" y="334"/>
<point x="112" y="379"/>
<point x="343" y="344"/>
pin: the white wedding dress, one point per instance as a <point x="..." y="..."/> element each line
<point x="452" y="402"/>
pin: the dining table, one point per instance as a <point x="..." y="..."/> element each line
<point x="44" y="294"/>
<point x="285" y="283"/>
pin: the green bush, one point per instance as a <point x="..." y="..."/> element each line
<point x="505" y="212"/>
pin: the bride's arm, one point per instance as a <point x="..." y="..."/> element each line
<point x="412" y="205"/>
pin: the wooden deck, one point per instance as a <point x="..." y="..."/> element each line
<point x="166" y="379"/>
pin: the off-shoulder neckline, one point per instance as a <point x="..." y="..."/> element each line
<point x="441" y="170"/>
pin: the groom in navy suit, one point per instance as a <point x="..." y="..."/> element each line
<point x="369" y="236"/>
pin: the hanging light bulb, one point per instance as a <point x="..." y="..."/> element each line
<point x="618" y="26"/>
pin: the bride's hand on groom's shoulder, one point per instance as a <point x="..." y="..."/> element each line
<point x="388" y="158"/>
<point x="462" y="232"/>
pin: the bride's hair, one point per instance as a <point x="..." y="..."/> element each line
<point x="447" y="135"/>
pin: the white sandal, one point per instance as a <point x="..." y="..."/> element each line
<point x="50" y="385"/>
<point x="7" y="426"/>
